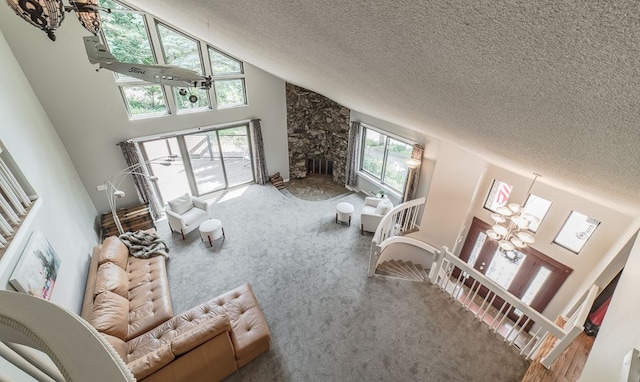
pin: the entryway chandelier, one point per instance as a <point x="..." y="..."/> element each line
<point x="49" y="14"/>
<point x="511" y="227"/>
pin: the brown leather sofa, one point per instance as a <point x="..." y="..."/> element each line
<point x="127" y="300"/>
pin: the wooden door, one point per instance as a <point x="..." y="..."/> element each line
<point x="534" y="278"/>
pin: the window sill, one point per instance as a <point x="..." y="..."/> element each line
<point x="391" y="192"/>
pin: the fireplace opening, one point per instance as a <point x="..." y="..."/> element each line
<point x="319" y="167"/>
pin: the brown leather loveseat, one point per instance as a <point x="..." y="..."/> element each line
<point x="127" y="300"/>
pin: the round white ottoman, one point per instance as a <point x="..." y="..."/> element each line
<point x="211" y="230"/>
<point x="343" y="212"/>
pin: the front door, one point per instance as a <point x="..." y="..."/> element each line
<point x="534" y="277"/>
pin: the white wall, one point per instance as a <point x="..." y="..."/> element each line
<point x="452" y="190"/>
<point x="619" y="331"/>
<point x="67" y="215"/>
<point x="90" y="116"/>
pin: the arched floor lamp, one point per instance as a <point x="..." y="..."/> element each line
<point x="113" y="186"/>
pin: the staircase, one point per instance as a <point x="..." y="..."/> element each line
<point x="402" y="270"/>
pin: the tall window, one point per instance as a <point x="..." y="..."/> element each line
<point x="228" y="79"/>
<point x="183" y="51"/>
<point x="126" y="35"/>
<point x="129" y="38"/>
<point x="383" y="158"/>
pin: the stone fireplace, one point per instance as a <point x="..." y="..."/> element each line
<point x="318" y="131"/>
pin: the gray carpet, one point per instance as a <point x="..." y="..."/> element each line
<point x="328" y="320"/>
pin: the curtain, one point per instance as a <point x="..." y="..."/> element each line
<point x="351" y="170"/>
<point x="146" y="192"/>
<point x="258" y="153"/>
<point x="411" y="188"/>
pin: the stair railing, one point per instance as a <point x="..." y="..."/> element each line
<point x="528" y="343"/>
<point x="400" y="220"/>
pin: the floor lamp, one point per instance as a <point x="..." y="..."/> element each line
<point x="112" y="186"/>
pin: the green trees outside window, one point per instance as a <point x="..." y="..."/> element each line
<point x="383" y="158"/>
<point x="128" y="36"/>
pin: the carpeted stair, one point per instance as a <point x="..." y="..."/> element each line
<point x="403" y="269"/>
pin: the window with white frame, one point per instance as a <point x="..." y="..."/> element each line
<point x="228" y="79"/>
<point x="575" y="232"/>
<point x="383" y="158"/>
<point x="498" y="195"/>
<point x="128" y="37"/>
<point x="180" y="50"/>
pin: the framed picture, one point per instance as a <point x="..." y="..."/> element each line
<point x="37" y="268"/>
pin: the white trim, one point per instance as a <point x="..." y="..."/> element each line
<point x="389" y="134"/>
<point x="191" y="131"/>
<point x="19" y="239"/>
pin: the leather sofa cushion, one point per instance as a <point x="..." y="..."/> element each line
<point x="250" y="334"/>
<point x="114" y="251"/>
<point x="151" y="362"/>
<point x="196" y="324"/>
<point x="110" y="313"/>
<point x="149" y="296"/>
<point x="112" y="278"/>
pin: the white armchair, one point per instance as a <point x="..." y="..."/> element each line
<point x="186" y="213"/>
<point x="373" y="211"/>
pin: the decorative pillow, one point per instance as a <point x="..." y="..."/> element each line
<point x="182" y="204"/>
<point x="112" y="278"/>
<point x="110" y="314"/>
<point x="384" y="206"/>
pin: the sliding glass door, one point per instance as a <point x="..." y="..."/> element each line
<point x="206" y="163"/>
<point x="234" y="146"/>
<point x="215" y="160"/>
<point x="165" y="162"/>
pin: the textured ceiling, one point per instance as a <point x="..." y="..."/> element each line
<point x="550" y="87"/>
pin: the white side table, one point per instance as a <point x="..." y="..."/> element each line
<point x="343" y="212"/>
<point x="211" y="230"/>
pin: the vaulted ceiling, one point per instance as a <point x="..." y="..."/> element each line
<point x="548" y="87"/>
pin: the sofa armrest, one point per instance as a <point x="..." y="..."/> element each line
<point x="201" y="204"/>
<point x="175" y="220"/>
<point x="200" y="334"/>
<point x="151" y="362"/>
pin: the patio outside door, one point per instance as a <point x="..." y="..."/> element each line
<point x="214" y="160"/>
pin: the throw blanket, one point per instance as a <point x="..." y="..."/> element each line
<point x="144" y="245"/>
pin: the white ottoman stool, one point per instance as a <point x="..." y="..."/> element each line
<point x="343" y="212"/>
<point x="211" y="230"/>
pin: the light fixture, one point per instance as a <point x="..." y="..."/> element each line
<point x="113" y="186"/>
<point x="511" y="228"/>
<point x="44" y="14"/>
<point x="88" y="13"/>
<point x="49" y="14"/>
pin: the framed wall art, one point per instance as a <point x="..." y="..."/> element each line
<point x="37" y="269"/>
